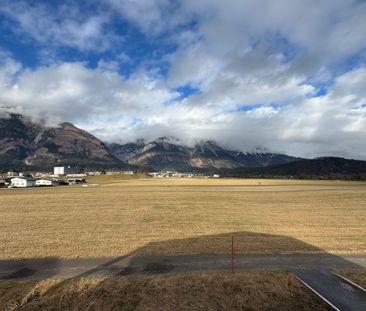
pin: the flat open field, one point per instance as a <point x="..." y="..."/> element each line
<point x="183" y="216"/>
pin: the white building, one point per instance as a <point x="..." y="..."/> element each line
<point x="46" y="182"/>
<point x="62" y="170"/>
<point x="76" y="175"/>
<point x="114" y="172"/>
<point x="23" y="182"/>
<point x="120" y="173"/>
<point x="93" y="173"/>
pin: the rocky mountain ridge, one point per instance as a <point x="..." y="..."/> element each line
<point x="24" y="143"/>
<point x="28" y="144"/>
<point x="171" y="153"/>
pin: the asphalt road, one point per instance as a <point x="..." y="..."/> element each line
<point x="336" y="291"/>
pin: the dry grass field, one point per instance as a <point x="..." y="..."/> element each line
<point x="214" y="291"/>
<point x="182" y="216"/>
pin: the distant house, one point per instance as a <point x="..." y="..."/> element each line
<point x="120" y="173"/>
<point x="114" y="172"/>
<point x="93" y="173"/>
<point x="23" y="182"/>
<point x="62" y="170"/>
<point x="76" y="175"/>
<point x="46" y="183"/>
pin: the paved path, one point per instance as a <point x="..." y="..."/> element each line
<point x="341" y="294"/>
<point x="36" y="269"/>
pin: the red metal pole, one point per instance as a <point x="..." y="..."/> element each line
<point x="232" y="254"/>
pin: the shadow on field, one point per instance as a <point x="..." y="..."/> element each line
<point x="19" y="269"/>
<point x="253" y="251"/>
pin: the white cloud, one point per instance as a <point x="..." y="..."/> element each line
<point x="147" y="14"/>
<point x="9" y="69"/>
<point x="118" y="109"/>
<point x="329" y="29"/>
<point x="72" y="92"/>
<point x="69" y="25"/>
<point x="256" y="65"/>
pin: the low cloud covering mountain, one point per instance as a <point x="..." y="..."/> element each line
<point x="24" y="143"/>
<point x="171" y="153"/>
<point x="288" y="75"/>
<point x="28" y="144"/>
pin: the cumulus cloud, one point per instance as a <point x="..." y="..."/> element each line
<point x="116" y="109"/>
<point x="286" y="75"/>
<point x="72" y="92"/>
<point x="9" y="68"/>
<point x="69" y="25"/>
<point x="146" y="14"/>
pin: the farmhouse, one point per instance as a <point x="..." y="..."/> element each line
<point x="46" y="182"/>
<point x="23" y="182"/>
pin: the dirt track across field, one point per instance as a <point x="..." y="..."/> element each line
<point x="36" y="269"/>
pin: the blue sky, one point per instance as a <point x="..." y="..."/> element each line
<point x="287" y="75"/>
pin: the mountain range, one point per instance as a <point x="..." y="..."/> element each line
<point x="24" y="143"/>
<point x="29" y="145"/>
<point x="170" y="153"/>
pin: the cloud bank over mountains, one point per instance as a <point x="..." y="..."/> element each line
<point x="287" y="75"/>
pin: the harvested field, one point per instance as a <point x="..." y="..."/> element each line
<point x="183" y="216"/>
<point x="214" y="291"/>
